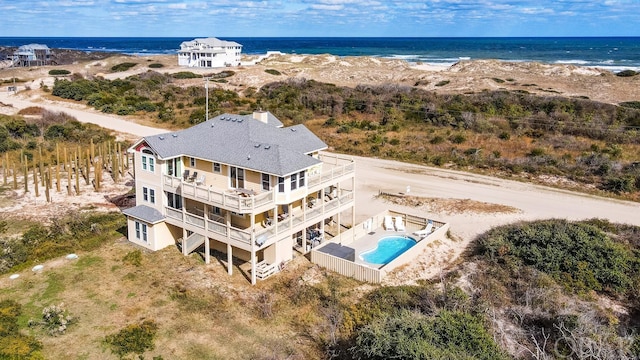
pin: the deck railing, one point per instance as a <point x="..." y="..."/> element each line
<point x="337" y="166"/>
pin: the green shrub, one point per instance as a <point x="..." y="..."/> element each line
<point x="626" y="73"/>
<point x="619" y="185"/>
<point x="536" y="152"/>
<point x="273" y="72"/>
<point x="185" y="75"/>
<point x="135" y="338"/>
<point x="498" y="80"/>
<point x="55" y="72"/>
<point x="123" y="66"/>
<point x="411" y="335"/>
<point x="222" y="74"/>
<point x="55" y="320"/>
<point x="631" y="104"/>
<point x="436" y="140"/>
<point x="577" y="255"/>
<point x="13" y="344"/>
<point x="156" y="66"/>
<point x="458" y="139"/>
<point x="133" y="257"/>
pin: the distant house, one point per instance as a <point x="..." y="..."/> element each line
<point x="209" y="53"/>
<point x="32" y="55"/>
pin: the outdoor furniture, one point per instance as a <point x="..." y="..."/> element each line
<point x="193" y="176"/>
<point x="185" y="175"/>
<point x="388" y="223"/>
<point x="264" y="270"/>
<point x="200" y="180"/>
<point x="426" y="231"/>
<point x="399" y="224"/>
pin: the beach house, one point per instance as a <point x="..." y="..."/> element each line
<point x="32" y="55"/>
<point x="241" y="185"/>
<point x="209" y="53"/>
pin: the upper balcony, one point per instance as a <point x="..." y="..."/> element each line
<point x="335" y="168"/>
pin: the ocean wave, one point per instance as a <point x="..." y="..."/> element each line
<point x="573" y="62"/>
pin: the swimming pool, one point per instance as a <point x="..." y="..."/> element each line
<point x="389" y="248"/>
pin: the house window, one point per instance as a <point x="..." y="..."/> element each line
<point x="301" y="179"/>
<point x="217" y="168"/>
<point x="141" y="231"/>
<point x="237" y="177"/>
<point x="192" y="162"/>
<point x="173" y="167"/>
<point x="281" y="184"/>
<point x="174" y="201"/>
<point x="149" y="195"/>
<point x="148" y="161"/>
<point x="266" y="182"/>
<point x="294" y="181"/>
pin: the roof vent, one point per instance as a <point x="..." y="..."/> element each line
<point x="161" y="137"/>
<point x="292" y="129"/>
<point x="174" y="135"/>
<point x="234" y="120"/>
<point x="240" y="120"/>
<point x="222" y="118"/>
<point x="248" y="157"/>
<point x="267" y="147"/>
<point x="211" y="124"/>
<point x="256" y="146"/>
<point x="228" y="119"/>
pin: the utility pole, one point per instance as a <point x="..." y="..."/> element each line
<point x="206" y="89"/>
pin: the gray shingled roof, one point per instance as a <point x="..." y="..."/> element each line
<point x="215" y="42"/>
<point x="144" y="213"/>
<point x="244" y="142"/>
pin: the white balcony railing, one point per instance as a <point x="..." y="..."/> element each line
<point x="337" y="167"/>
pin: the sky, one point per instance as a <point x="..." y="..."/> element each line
<point x="322" y="18"/>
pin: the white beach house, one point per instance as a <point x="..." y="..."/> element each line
<point x="209" y="53"/>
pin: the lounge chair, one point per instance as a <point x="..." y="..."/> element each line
<point x="200" y="180"/>
<point x="388" y="223"/>
<point x="193" y="176"/>
<point x="185" y="175"/>
<point x="426" y="231"/>
<point x="400" y="224"/>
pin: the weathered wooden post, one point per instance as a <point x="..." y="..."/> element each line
<point x="26" y="174"/>
<point x="15" y="177"/>
<point x="35" y="179"/>
<point x="46" y="187"/>
<point x="77" y="166"/>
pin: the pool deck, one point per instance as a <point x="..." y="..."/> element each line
<point x="370" y="241"/>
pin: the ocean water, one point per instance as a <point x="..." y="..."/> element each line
<point x="614" y="53"/>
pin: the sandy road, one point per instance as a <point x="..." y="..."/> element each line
<point x="373" y="175"/>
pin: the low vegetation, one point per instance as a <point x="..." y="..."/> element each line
<point x="133" y="339"/>
<point x="56" y="72"/>
<point x="273" y="72"/>
<point x="549" y="285"/>
<point x="153" y="95"/>
<point x="14" y="343"/>
<point x="74" y="232"/>
<point x="39" y="134"/>
<point x="514" y="134"/>
<point x="123" y="66"/>
<point x="155" y="66"/>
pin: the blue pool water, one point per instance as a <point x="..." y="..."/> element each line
<point x="389" y="248"/>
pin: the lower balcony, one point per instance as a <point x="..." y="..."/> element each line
<point x="263" y="233"/>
